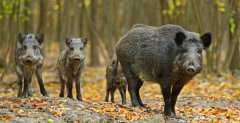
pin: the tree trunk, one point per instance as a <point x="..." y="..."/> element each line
<point x="94" y="52"/>
<point x="81" y="17"/>
<point x="59" y="21"/>
<point x="234" y="65"/>
<point x="42" y="16"/>
<point x="27" y="24"/>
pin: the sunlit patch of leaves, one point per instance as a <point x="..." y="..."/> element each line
<point x="117" y="111"/>
<point x="26" y="107"/>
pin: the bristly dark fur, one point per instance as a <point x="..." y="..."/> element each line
<point x="115" y="80"/>
<point x="168" y="55"/>
<point x="29" y="49"/>
<point x="70" y="70"/>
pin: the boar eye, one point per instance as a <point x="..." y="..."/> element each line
<point x="81" y="48"/>
<point x="184" y="50"/>
<point x="24" y="47"/>
<point x="199" y="51"/>
<point x="35" y="47"/>
<point x="71" y="48"/>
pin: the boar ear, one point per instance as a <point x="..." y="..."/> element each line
<point x="67" y="41"/>
<point x="20" y="38"/>
<point x="40" y="38"/>
<point x="85" y="40"/>
<point x="206" y="39"/>
<point x="180" y="37"/>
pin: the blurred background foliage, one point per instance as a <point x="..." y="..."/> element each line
<point x="103" y="22"/>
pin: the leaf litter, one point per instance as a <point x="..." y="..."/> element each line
<point x="204" y="99"/>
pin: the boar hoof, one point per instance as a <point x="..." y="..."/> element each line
<point x="70" y="98"/>
<point x="30" y="94"/>
<point x="136" y="104"/>
<point x="45" y="94"/>
<point x="142" y="105"/>
<point x="124" y="103"/>
<point x="61" y="95"/>
<point x="169" y="114"/>
<point x="19" y="95"/>
<point x="79" y="98"/>
<point x="24" y="96"/>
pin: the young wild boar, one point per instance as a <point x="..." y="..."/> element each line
<point x="115" y="80"/>
<point x="29" y="60"/>
<point x="168" y="55"/>
<point x="70" y="66"/>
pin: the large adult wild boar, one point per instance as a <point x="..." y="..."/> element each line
<point x="168" y="55"/>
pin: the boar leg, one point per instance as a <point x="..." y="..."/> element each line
<point x="107" y="95"/>
<point x="175" y="92"/>
<point x="30" y="90"/>
<point x="20" y="89"/>
<point x="109" y="87"/>
<point x="138" y="86"/>
<point x="132" y="83"/>
<point x="69" y="88"/>
<point x="27" y="80"/>
<point x="122" y="91"/>
<point x="78" y="89"/>
<point x="63" y="84"/>
<point x="166" y="91"/>
<point x="20" y="83"/>
<point x="20" y="78"/>
<point x="107" y="91"/>
<point x="112" y="91"/>
<point x="40" y="81"/>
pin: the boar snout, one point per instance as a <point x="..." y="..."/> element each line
<point x="191" y="70"/>
<point x="28" y="60"/>
<point x="77" y="58"/>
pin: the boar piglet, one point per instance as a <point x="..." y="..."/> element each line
<point x="115" y="80"/>
<point x="70" y="65"/>
<point x="29" y="60"/>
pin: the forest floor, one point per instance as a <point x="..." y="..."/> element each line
<point x="205" y="99"/>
